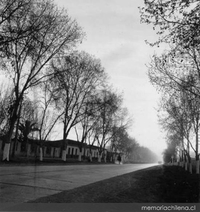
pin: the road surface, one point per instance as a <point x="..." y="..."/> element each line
<point x="19" y="184"/>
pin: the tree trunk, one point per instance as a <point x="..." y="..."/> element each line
<point x="27" y="146"/>
<point x="183" y="161"/>
<point x="186" y="165"/>
<point x="105" y="158"/>
<point x="28" y="152"/>
<point x="64" y="152"/>
<point x="179" y="160"/>
<point x="13" y="119"/>
<point x="189" y="164"/>
<point x="90" y="156"/>
<point x="197" y="164"/>
<point x="14" y="143"/>
<point x="186" y="162"/>
<point x="197" y="150"/>
<point x="35" y="151"/>
<point x="190" y="167"/>
<point x="52" y="152"/>
<point x="6" y="151"/>
<point x="80" y="155"/>
<point x="16" y="131"/>
<point x="99" y="157"/>
<point x="41" y="154"/>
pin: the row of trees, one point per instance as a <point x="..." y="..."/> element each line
<point x="32" y="33"/>
<point x="51" y="86"/>
<point x="176" y="74"/>
<point x="131" y="149"/>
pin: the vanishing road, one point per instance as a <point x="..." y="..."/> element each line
<point x="19" y="184"/>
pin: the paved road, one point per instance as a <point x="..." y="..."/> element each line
<point x="20" y="184"/>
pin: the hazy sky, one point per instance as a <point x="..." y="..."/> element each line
<point x="115" y="36"/>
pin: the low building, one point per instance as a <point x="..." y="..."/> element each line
<point x="52" y="149"/>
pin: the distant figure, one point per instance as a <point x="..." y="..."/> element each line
<point x="119" y="158"/>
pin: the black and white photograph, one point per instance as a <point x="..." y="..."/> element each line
<point x="99" y="105"/>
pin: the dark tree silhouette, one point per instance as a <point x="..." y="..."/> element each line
<point x="49" y="31"/>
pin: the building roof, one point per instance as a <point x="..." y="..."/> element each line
<point x="58" y="143"/>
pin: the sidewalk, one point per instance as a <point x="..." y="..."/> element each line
<point x="24" y="161"/>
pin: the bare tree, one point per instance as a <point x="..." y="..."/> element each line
<point x="10" y="9"/>
<point x="26" y="128"/>
<point x="194" y="105"/>
<point x="75" y="78"/>
<point x="109" y="104"/>
<point x="47" y="114"/>
<point x="49" y="32"/>
<point x="87" y="122"/>
<point x="178" y="122"/>
<point x="26" y="120"/>
<point x="175" y="22"/>
<point x="176" y="130"/>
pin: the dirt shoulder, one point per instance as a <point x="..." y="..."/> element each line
<point x="152" y="185"/>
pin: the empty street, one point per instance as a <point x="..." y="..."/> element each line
<point x="20" y="184"/>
